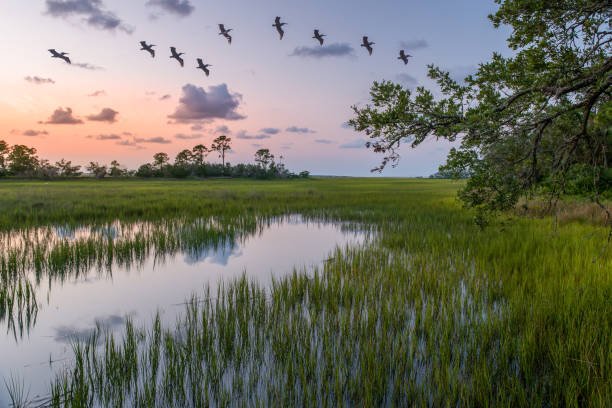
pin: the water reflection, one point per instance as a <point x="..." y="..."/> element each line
<point x="67" y="283"/>
<point x="18" y="306"/>
<point x="219" y="256"/>
<point x="69" y="334"/>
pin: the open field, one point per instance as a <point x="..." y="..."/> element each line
<point x="431" y="311"/>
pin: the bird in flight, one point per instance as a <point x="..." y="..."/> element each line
<point x="404" y="57"/>
<point x="62" y="55"/>
<point x="177" y="55"/>
<point x="367" y="44"/>
<point x="279" y="27"/>
<point x="318" y="36"/>
<point x="203" y="66"/>
<point x="148" y="47"/>
<point x="225" y="32"/>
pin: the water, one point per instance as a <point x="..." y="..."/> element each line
<point x="70" y="308"/>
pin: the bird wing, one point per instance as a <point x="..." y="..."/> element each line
<point x="152" y="53"/>
<point x="316" y="33"/>
<point x="200" y="62"/>
<point x="365" y="39"/>
<point x="281" y="32"/>
<point x="144" y="44"/>
<point x="65" y="58"/>
<point x="221" y="28"/>
<point x="173" y="50"/>
<point x="277" y="20"/>
<point x="180" y="60"/>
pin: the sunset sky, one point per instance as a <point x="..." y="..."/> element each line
<point x="292" y="96"/>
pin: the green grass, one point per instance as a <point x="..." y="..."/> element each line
<point x="433" y="312"/>
<point x="33" y="203"/>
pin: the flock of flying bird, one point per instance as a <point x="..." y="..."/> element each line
<point x="225" y="32"/>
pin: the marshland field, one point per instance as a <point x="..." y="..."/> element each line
<point x="316" y="292"/>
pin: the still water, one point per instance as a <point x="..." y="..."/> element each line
<point x="69" y="309"/>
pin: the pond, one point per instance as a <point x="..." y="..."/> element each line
<point x="61" y="283"/>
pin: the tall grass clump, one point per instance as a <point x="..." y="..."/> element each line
<point x="18" y="392"/>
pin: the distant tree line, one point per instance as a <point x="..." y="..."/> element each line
<point x="443" y="173"/>
<point x="23" y="161"/>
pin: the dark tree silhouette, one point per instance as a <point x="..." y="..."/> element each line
<point x="199" y="152"/>
<point x="221" y="145"/>
<point x="116" y="170"/>
<point x="66" y="169"/>
<point x="183" y="158"/>
<point x="160" y="160"/>
<point x="97" y="170"/>
<point x="264" y="158"/>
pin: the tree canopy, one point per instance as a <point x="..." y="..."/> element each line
<point x="538" y="119"/>
<point x="221" y="145"/>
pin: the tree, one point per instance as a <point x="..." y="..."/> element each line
<point x="4" y="150"/>
<point x="145" y="170"/>
<point x="116" y="169"/>
<point x="182" y="164"/>
<point x="279" y="169"/>
<point x="66" y="169"/>
<point x="523" y="121"/>
<point x="160" y="160"/>
<point x="96" y="169"/>
<point x="183" y="158"/>
<point x="22" y="160"/>
<point x="47" y="170"/>
<point x="264" y="158"/>
<point x="199" y="152"/>
<point x="221" y="145"/>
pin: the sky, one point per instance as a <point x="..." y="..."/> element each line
<point x="116" y="102"/>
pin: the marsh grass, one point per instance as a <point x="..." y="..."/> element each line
<point x="432" y="312"/>
<point x="18" y="391"/>
<point x="565" y="211"/>
<point x="18" y="305"/>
